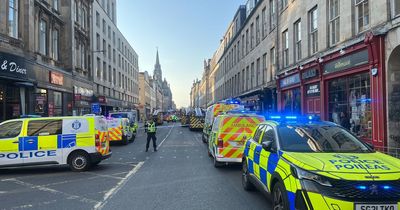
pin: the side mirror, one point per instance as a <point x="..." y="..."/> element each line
<point x="267" y="145"/>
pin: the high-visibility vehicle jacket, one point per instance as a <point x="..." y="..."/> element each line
<point x="77" y="141"/>
<point x="228" y="134"/>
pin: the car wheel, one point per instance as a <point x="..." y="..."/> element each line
<point x="280" y="199"/>
<point x="247" y="185"/>
<point x="79" y="162"/>
<point x="132" y="139"/>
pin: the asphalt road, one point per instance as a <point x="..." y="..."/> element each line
<point x="179" y="176"/>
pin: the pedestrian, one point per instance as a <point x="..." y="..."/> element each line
<point x="151" y="135"/>
<point x="344" y="120"/>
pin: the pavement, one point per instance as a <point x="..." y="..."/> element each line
<point x="180" y="175"/>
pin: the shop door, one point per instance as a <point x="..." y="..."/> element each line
<point x="313" y="105"/>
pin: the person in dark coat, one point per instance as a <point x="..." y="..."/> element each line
<point x="344" y="120"/>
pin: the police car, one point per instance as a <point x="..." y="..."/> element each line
<point x="79" y="142"/>
<point x="304" y="163"/>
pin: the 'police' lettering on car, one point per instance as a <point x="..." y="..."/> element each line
<point x="25" y="155"/>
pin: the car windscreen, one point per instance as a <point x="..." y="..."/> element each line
<point x="319" y="138"/>
<point x="119" y="115"/>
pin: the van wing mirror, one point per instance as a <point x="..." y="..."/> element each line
<point x="267" y="145"/>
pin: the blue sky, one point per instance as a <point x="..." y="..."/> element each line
<point x="185" y="31"/>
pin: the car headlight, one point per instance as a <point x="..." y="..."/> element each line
<point x="303" y="174"/>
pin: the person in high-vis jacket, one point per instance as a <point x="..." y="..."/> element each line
<point x="151" y="135"/>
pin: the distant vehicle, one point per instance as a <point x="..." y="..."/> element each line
<point x="196" y="119"/>
<point x="119" y="130"/>
<point x="80" y="142"/>
<point x="158" y="117"/>
<point x="215" y="110"/>
<point x="185" y="115"/>
<point x="304" y="163"/>
<point x="228" y="135"/>
<point x="30" y="116"/>
<point x="133" y="119"/>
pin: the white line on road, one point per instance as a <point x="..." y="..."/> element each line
<point x="120" y="184"/>
<point x="169" y="133"/>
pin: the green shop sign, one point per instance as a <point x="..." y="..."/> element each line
<point x="350" y="61"/>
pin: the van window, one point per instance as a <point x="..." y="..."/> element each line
<point x="216" y="124"/>
<point x="269" y="135"/>
<point x="44" y="127"/>
<point x="10" y="129"/>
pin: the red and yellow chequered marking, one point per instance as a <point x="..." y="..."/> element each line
<point x="115" y="134"/>
<point x="103" y="136"/>
<point x="235" y="130"/>
<point x="220" y="108"/>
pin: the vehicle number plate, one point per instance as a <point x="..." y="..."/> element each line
<point x="376" y="207"/>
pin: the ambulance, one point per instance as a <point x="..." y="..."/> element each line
<point x="79" y="142"/>
<point x="228" y="135"/>
<point x="119" y="130"/>
<point x="215" y="110"/>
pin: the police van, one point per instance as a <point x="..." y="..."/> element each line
<point x="119" y="130"/>
<point x="80" y="142"/>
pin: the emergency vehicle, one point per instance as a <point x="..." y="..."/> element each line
<point x="132" y="117"/>
<point x="304" y="163"/>
<point x="228" y="134"/>
<point x="79" y="142"/>
<point x="185" y="115"/>
<point x="119" y="130"/>
<point x="158" y="117"/>
<point x="196" y="120"/>
<point x="215" y="110"/>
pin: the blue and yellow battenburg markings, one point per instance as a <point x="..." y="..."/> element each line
<point x="28" y="147"/>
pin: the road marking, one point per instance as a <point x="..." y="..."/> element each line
<point x="169" y="133"/>
<point x="120" y="184"/>
<point x="102" y="175"/>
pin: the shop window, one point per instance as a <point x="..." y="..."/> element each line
<point x="292" y="101"/>
<point x="349" y="102"/>
<point x="44" y="127"/>
<point x="57" y="103"/>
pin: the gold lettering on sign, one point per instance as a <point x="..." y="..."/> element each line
<point x="342" y="64"/>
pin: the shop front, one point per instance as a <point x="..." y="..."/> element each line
<point x="345" y="88"/>
<point x="53" y="95"/>
<point x="110" y="105"/>
<point x="83" y="98"/>
<point x="262" y="100"/>
<point x="16" y="86"/>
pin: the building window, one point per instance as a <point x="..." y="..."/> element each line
<point x="114" y="60"/>
<point x="76" y="12"/>
<point x="397" y="7"/>
<point x="109" y="74"/>
<point x="247" y="78"/>
<point x="113" y="37"/>
<point x="114" y="77"/>
<point x="252" y="36"/>
<point x="109" y="32"/>
<point x="285" y="48"/>
<point x="297" y="40"/>
<point x="77" y="53"/>
<point x="109" y="52"/>
<point x="264" y="22"/>
<point x="272" y="63"/>
<point x="104" y="48"/>
<point x="272" y="15"/>
<point x="283" y="4"/>
<point x="259" y="77"/>
<point x="13" y="18"/>
<point x="243" y="45"/>
<point x="55" y="45"/>
<point x="98" y="69"/>
<point x="264" y="69"/>
<point x="313" y="30"/>
<point x="104" y="27"/>
<point x="257" y="30"/>
<point x="247" y="41"/>
<point x="83" y="57"/>
<point x="55" y="5"/>
<point x="362" y="14"/>
<point x="97" y="19"/>
<point x="98" y="42"/>
<point x="252" y="75"/>
<point x="104" y="71"/>
<point x="43" y="37"/>
<point x="334" y="23"/>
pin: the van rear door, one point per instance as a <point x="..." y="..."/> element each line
<point x="101" y="136"/>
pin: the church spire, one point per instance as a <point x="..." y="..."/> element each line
<point x="157" y="59"/>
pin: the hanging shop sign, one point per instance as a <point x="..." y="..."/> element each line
<point x="313" y="90"/>
<point x="350" y="61"/>
<point x="56" y="78"/>
<point x="290" y="80"/>
<point x="13" y="66"/>
<point x="310" y="73"/>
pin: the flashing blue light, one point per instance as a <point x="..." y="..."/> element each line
<point x="275" y="117"/>
<point x="291" y="117"/>
<point x="310" y="117"/>
<point x="387" y="187"/>
<point x="361" y="187"/>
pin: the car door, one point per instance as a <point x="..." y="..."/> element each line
<point x="213" y="135"/>
<point x="269" y="159"/>
<point x="9" y="143"/>
<point x="251" y="151"/>
<point x="42" y="141"/>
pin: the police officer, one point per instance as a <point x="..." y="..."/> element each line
<point x="151" y="135"/>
